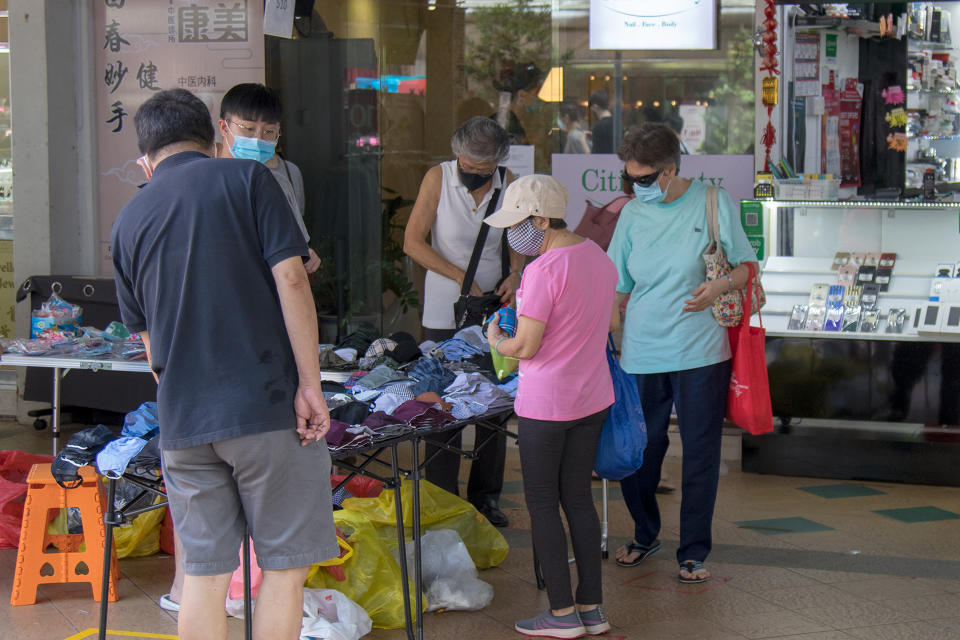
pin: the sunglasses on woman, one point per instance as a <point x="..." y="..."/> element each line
<point x="643" y="181"/>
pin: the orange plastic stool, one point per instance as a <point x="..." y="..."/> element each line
<point x="68" y="563"/>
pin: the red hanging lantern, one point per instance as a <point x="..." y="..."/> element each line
<point x="771" y="66"/>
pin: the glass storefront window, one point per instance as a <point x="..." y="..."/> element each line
<point x="373" y="89"/>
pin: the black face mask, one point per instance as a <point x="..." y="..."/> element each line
<point x="473" y="181"/>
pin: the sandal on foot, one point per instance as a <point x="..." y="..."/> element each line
<point x="645" y="552"/>
<point x="692" y="567"/>
<point x="167" y="604"/>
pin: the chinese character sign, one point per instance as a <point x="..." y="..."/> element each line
<point x="144" y="46"/>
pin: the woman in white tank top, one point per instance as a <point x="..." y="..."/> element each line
<point x="450" y="208"/>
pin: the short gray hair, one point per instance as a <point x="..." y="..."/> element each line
<point x="482" y="140"/>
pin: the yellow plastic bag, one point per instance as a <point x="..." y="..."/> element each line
<point x="142" y="536"/>
<point x="439" y="509"/>
<point x="372" y="574"/>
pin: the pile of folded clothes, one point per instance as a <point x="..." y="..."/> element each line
<point x="401" y="386"/>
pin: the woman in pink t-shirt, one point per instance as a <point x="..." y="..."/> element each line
<point x="565" y="309"/>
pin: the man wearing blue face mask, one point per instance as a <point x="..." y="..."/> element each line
<point x="250" y="128"/>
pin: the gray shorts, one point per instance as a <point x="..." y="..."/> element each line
<point x="266" y="480"/>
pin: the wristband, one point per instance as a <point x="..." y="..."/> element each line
<point x="496" y="347"/>
<point x="730" y="283"/>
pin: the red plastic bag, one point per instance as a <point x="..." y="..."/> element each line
<point x="14" y="467"/>
<point x="748" y="400"/>
<point x="359" y="486"/>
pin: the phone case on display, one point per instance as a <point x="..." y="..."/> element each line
<point x="847" y="275"/>
<point x="842" y="258"/>
<point x="935" y="285"/>
<point x="851" y="319"/>
<point x="946" y="270"/>
<point x="896" y="319"/>
<point x="870" y="320"/>
<point x="852" y="296"/>
<point x="834" y="315"/>
<point x="858" y="258"/>
<point x="818" y="294"/>
<point x="883" y="278"/>
<point x="930" y="318"/>
<point x="866" y="274"/>
<point x="956" y="270"/>
<point x="815" y="319"/>
<point x="871" y="259"/>
<point x="797" y="317"/>
<point x="869" y="296"/>
<point x="887" y="260"/>
<point x="950" y="323"/>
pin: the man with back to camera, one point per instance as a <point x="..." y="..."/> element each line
<point x="602" y="138"/>
<point x="209" y="268"/>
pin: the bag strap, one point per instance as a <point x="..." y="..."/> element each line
<point x="747" y="295"/>
<point x="482" y="239"/>
<point x="713" y="218"/>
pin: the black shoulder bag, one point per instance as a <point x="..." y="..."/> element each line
<point x="470" y="310"/>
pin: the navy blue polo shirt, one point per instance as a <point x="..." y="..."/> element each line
<point x="192" y="254"/>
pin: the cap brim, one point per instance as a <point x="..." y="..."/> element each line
<point x="506" y="218"/>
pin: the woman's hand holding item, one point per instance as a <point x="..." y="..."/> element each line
<point x="704" y="295"/>
<point x="494" y="334"/>
<point x="507" y="290"/>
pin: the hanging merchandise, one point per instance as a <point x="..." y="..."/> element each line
<point x="769" y="65"/>
<point x="894" y="95"/>
<point x="851" y="103"/>
<point x="830" y="134"/>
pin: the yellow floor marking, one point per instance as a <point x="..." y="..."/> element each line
<point x="89" y="633"/>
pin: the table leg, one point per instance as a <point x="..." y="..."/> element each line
<point x="55" y="410"/>
<point x="415" y="514"/>
<point x="402" y="545"/>
<point x="109" y="520"/>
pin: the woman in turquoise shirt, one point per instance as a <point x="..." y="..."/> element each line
<point x="671" y="341"/>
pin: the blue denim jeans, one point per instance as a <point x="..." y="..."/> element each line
<point x="700" y="396"/>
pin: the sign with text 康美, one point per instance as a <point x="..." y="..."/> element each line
<point x="597" y="177"/>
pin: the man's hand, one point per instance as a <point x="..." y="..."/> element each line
<point x="313" y="263"/>
<point x="507" y="291"/>
<point x="705" y="294"/>
<point x="474" y="287"/>
<point x="313" y="417"/>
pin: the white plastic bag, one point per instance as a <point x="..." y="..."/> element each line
<point x="330" y="615"/>
<point x="449" y="576"/>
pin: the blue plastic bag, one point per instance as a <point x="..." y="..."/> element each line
<point x="624" y="434"/>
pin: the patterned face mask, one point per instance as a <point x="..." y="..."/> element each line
<point x="525" y="239"/>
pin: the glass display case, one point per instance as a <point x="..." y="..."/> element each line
<point x="863" y="360"/>
<point x="933" y="93"/>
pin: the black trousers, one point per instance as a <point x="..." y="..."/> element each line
<point x="556" y="459"/>
<point x="486" y="472"/>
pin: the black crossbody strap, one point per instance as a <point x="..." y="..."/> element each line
<point x="482" y="239"/>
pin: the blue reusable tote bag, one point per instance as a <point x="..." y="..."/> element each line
<point x="624" y="434"/>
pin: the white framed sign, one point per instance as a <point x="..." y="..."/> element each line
<point x="597" y="177"/>
<point x="653" y="24"/>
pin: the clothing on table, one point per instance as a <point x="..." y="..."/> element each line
<point x="453" y="235"/>
<point x="142" y="422"/>
<point x="354" y="377"/>
<point x="330" y="359"/>
<point x="658" y="252"/>
<point x="113" y="459"/>
<point x="379" y="347"/>
<point x="473" y="394"/>
<point x="380" y="376"/>
<point x="351" y="412"/>
<point x="373" y="362"/>
<point x="576" y="141"/>
<point x="510" y="385"/>
<point x="700" y="396"/>
<point x="430" y="375"/>
<point x="290" y="179"/>
<point x="556" y="459"/>
<point x="348" y="355"/>
<point x="360" y="339"/>
<point x="422" y="415"/>
<point x="571" y="290"/>
<point x="465" y="344"/>
<point x="236" y="212"/>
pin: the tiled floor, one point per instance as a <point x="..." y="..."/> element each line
<point x="793" y="558"/>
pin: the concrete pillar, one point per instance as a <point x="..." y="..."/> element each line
<point x="54" y="160"/>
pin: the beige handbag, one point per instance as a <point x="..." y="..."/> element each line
<point x="728" y="307"/>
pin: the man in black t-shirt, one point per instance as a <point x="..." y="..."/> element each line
<point x="602" y="137"/>
<point x="209" y="268"/>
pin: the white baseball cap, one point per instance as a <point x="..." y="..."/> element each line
<point x="533" y="195"/>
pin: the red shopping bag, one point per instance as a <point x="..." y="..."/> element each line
<point x="748" y="400"/>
